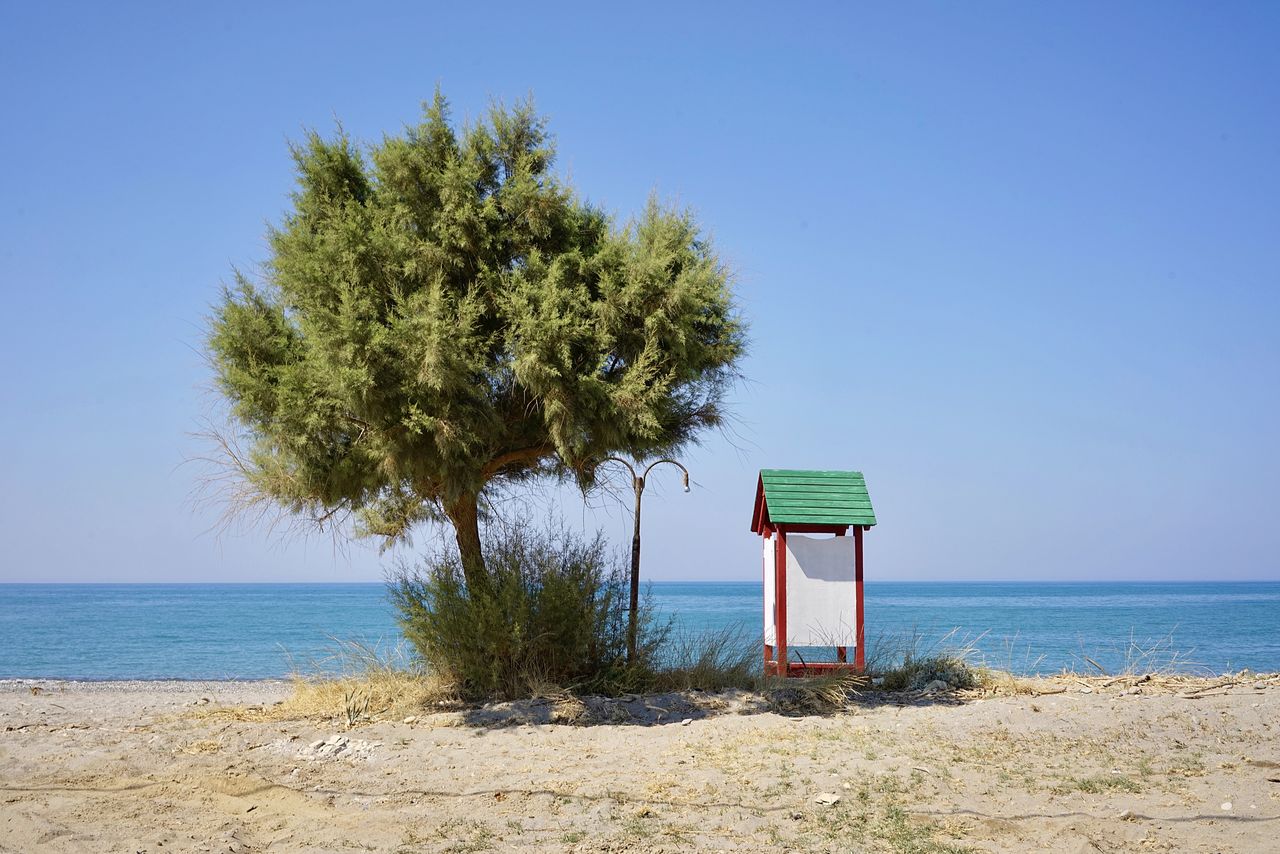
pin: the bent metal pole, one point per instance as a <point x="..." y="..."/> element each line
<point x="637" y="484"/>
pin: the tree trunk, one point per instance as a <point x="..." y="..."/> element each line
<point x="465" y="516"/>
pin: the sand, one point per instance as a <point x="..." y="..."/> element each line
<point x="1088" y="765"/>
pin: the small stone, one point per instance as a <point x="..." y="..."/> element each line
<point x="1086" y="690"/>
<point x="1226" y="806"/>
<point x="316" y="745"/>
<point x="686" y="722"/>
<point x="410" y="719"/>
<point x="827" y="799"/>
<point x="1125" y="815"/>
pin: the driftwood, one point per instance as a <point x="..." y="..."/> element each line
<point x="1213" y="691"/>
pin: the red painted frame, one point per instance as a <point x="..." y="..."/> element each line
<point x="775" y="655"/>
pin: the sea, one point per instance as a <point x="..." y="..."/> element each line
<point x="265" y="631"/>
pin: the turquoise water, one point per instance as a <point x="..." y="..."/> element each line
<point x="254" y="631"/>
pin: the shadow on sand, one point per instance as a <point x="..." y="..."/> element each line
<point x="677" y="708"/>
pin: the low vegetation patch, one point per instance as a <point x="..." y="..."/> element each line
<point x="716" y="660"/>
<point x="1099" y="784"/>
<point x="914" y="674"/>
<point x="357" y="683"/>
<point x="908" y="663"/>
<point x="875" y="817"/>
<point x="552" y="626"/>
<point x="812" y="696"/>
<point x="551" y="618"/>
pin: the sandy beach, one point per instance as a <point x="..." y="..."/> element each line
<point x="1081" y="765"/>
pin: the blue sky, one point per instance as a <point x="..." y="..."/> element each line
<point x="1016" y="262"/>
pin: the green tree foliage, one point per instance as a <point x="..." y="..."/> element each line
<point x="440" y="314"/>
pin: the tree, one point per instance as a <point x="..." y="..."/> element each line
<point x="440" y="314"/>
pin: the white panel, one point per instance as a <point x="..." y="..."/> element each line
<point x="770" y="630"/>
<point x="821" y="609"/>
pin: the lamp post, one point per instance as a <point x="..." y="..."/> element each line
<point x="637" y="483"/>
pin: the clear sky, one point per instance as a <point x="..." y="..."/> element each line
<point x="1019" y="263"/>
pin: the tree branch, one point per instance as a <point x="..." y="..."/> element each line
<point x="522" y="455"/>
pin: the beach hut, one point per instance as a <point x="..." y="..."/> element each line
<point x="812" y="583"/>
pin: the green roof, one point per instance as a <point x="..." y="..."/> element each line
<point x="789" y="496"/>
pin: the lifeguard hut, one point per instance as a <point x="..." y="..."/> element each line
<point x="812" y="584"/>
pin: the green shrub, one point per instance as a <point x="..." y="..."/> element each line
<point x="554" y="617"/>
<point x="916" y="673"/>
<point x="910" y="661"/>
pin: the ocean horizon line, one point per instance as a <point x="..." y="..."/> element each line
<point x="248" y="630"/>
<point x="965" y="581"/>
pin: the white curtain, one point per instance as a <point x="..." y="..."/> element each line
<point x="770" y="629"/>
<point x="821" y="609"/>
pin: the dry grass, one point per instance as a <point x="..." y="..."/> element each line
<point x="373" y="683"/>
<point x="202" y="746"/>
<point x="710" y="661"/>
<point x="1191" y="686"/>
<point x="356" y="684"/>
<point x="1099" y="784"/>
<point x="1154" y="665"/>
<point x="349" y="700"/>
<point x="1158" y="657"/>
<point x="907" y="663"/>
<point x="356" y="700"/>
<point x="814" y="695"/>
<point x="1003" y="683"/>
<point x="361" y="684"/>
<point x="568" y="709"/>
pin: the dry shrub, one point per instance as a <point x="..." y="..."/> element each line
<point x="815" y="695"/>
<point x="370" y="682"/>
<point x="355" y="699"/>
<point x="356" y="683"/>
<point x="568" y="709"/>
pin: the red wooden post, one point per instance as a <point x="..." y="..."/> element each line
<point x="780" y="601"/>
<point x="859" y="652"/>
<point x="842" y="653"/>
